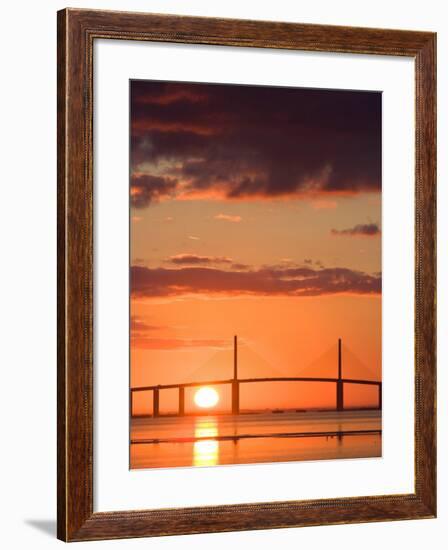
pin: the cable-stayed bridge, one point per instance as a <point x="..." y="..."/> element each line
<point x="235" y="383"/>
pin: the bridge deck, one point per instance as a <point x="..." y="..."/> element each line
<point x="251" y="380"/>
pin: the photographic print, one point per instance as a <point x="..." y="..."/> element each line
<point x="255" y="274"/>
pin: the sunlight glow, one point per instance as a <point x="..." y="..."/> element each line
<point x="206" y="397"/>
<point x="206" y="451"/>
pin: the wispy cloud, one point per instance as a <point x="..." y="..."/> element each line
<point x="139" y="326"/>
<point x="142" y="338"/>
<point x="310" y="262"/>
<point x="145" y="342"/>
<point x="360" y="230"/>
<point x="195" y="259"/>
<point x="228" y="218"/>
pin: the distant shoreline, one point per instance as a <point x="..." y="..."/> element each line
<point x="253" y="412"/>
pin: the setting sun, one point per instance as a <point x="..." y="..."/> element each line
<point x="206" y="398"/>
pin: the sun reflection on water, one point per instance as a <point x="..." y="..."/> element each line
<point x="206" y="451"/>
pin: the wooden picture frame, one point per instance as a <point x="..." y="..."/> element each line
<point x="77" y="31"/>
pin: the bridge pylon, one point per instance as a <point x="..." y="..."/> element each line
<point x="339" y="383"/>
<point x="235" y="383"/>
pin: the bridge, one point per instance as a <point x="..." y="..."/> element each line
<point x="235" y="383"/>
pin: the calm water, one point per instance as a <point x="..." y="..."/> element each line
<point x="264" y="437"/>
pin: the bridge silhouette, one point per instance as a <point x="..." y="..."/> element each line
<point x="235" y="383"/>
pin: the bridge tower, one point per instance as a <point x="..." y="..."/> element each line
<point x="339" y="383"/>
<point x="235" y="383"/>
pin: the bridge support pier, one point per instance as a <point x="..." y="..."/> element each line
<point x="181" y="401"/>
<point x="339" y="395"/>
<point x="235" y="397"/>
<point x="155" y="405"/>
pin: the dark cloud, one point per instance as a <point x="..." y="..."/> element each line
<point x="146" y="188"/>
<point x="195" y="259"/>
<point x="303" y="281"/>
<point x="243" y="142"/>
<point x="360" y="230"/>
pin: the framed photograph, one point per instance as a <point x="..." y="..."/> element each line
<point x="246" y="275"/>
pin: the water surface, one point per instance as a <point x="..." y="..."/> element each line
<point x="250" y="438"/>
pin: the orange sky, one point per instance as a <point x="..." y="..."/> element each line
<point x="289" y="269"/>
